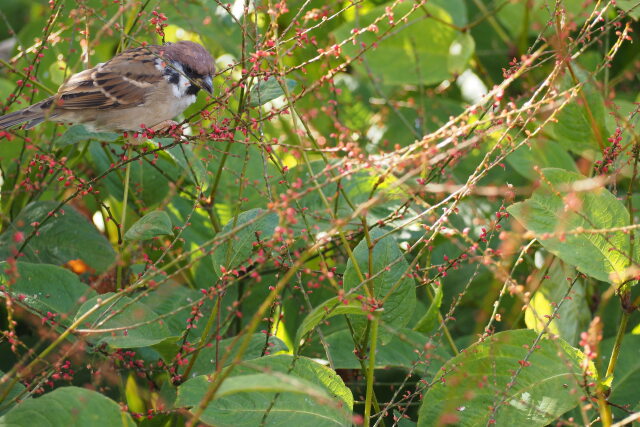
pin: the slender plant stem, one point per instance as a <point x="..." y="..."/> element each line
<point x="123" y="220"/>
<point x="203" y="337"/>
<point x="372" y="365"/>
<point x="615" y="352"/>
<point x="606" y="417"/>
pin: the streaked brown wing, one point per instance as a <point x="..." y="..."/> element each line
<point x="125" y="81"/>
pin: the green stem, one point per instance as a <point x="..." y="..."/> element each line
<point x="604" y="386"/>
<point x="613" y="360"/>
<point x="21" y="374"/>
<point x="605" y="410"/>
<point x="203" y="337"/>
<point x="370" y="372"/>
<point x="123" y="219"/>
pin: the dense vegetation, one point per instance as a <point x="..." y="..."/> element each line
<point x="388" y="213"/>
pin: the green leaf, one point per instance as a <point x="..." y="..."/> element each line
<point x="147" y="183"/>
<point x="460" y="52"/>
<point x="402" y="421"/>
<point x="533" y="15"/>
<point x="574" y="315"/>
<point x="389" y="280"/>
<point x="357" y="188"/>
<point x="629" y="6"/>
<point x="418" y="53"/>
<point x="184" y="156"/>
<point x="265" y="91"/>
<point x="198" y="233"/>
<point x="253" y="226"/>
<point x="45" y="288"/>
<point x="430" y="318"/>
<point x="541" y="154"/>
<point x="125" y="323"/>
<point x="156" y="223"/>
<point x="177" y="300"/>
<point x="556" y="207"/>
<point x="244" y="400"/>
<point x="477" y="380"/>
<point x="196" y="387"/>
<point x="308" y="394"/>
<point x="68" y="406"/>
<point x="400" y="351"/>
<point x="302" y="367"/>
<point x="324" y="311"/>
<point x="16" y="390"/>
<point x="79" y="133"/>
<point x="578" y="128"/>
<point x="206" y="361"/>
<point x="626" y="377"/>
<point x="59" y="240"/>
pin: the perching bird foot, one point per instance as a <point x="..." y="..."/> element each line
<point x="163" y="126"/>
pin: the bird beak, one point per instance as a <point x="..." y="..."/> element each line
<point x="207" y="84"/>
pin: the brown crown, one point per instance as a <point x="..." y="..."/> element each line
<point x="191" y="55"/>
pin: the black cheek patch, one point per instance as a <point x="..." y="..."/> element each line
<point x="174" y="76"/>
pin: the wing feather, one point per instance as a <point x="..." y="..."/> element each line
<point x="124" y="81"/>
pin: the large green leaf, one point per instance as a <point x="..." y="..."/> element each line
<point x="188" y="161"/>
<point x="174" y="302"/>
<point x="557" y="208"/>
<point x="419" y="52"/>
<point x="355" y="190"/>
<point x="126" y="323"/>
<point x="483" y="377"/>
<point x="206" y="361"/>
<point x="196" y="235"/>
<point x="630" y="6"/>
<point x="534" y="15"/>
<point x="400" y="351"/>
<point x="299" y="392"/>
<point x="46" y="288"/>
<point x="581" y="126"/>
<point x="62" y="238"/>
<point x="80" y="133"/>
<point x="16" y="390"/>
<point x="626" y="377"/>
<point x="156" y="223"/>
<point x="541" y="154"/>
<point x="573" y="316"/>
<point x="388" y="270"/>
<point x="265" y="91"/>
<point x="147" y="183"/>
<point x="254" y="226"/>
<point x="69" y="407"/>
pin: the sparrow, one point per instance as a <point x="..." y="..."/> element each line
<point x="144" y="86"/>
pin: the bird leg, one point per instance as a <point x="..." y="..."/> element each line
<point x="163" y="125"/>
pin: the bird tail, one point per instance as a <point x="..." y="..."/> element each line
<point x="33" y="115"/>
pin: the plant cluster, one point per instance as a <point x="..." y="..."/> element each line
<point x="389" y="213"/>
